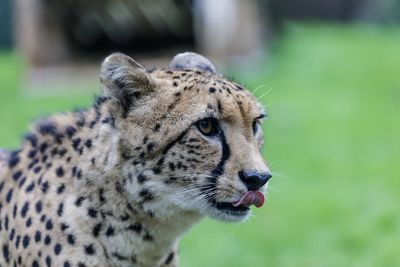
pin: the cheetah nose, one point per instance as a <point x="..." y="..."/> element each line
<point x="254" y="180"/>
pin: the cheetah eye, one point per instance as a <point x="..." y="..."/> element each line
<point x="256" y="125"/>
<point x="208" y="126"/>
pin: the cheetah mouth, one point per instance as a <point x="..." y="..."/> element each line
<point x="253" y="197"/>
<point x="229" y="207"/>
<point x="250" y="198"/>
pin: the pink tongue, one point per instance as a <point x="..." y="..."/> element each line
<point x="251" y="198"/>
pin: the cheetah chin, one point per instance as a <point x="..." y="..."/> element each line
<point x="117" y="184"/>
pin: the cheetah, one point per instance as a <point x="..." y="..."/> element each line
<point x="118" y="184"/>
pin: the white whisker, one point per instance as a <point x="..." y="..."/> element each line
<point x="263" y="95"/>
<point x="261" y="86"/>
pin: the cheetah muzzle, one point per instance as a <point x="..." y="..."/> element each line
<point x="118" y="183"/>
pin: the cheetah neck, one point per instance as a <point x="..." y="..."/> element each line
<point x="124" y="227"/>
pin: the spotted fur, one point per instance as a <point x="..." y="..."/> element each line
<point x="117" y="184"/>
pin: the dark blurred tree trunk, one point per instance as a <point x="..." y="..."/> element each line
<point x="6" y="25"/>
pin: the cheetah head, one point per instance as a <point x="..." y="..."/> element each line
<point x="190" y="139"/>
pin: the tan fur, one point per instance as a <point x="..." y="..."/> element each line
<point x="132" y="176"/>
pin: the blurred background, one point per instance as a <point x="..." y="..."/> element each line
<point x="328" y="72"/>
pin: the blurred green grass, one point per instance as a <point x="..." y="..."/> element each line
<point x="332" y="138"/>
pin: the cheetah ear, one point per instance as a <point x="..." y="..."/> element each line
<point x="125" y="80"/>
<point x="191" y="60"/>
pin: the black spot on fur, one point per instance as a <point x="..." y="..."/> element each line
<point x="14" y="159"/>
<point x="6" y="253"/>
<point x="219" y="106"/>
<point x="17" y="175"/>
<point x="43" y="147"/>
<point x="25" y="241"/>
<point x="110" y="231"/>
<point x="32" y="139"/>
<point x="141" y="178"/>
<point x="30" y="187"/>
<point x="12" y="234"/>
<point x="25" y="209"/>
<point x="37" y="169"/>
<point x="148" y="237"/>
<point x="79" y="201"/>
<point x="145" y="139"/>
<point x="64" y="226"/>
<point x="239" y="88"/>
<point x="48" y="261"/>
<point x="9" y="195"/>
<point x="92" y="212"/>
<point x="47" y="240"/>
<point x="97" y="229"/>
<point x="89" y="249"/>
<point x="47" y="127"/>
<point x="75" y="143"/>
<point x="28" y="222"/>
<point x="62" y="151"/>
<point x="146" y="195"/>
<point x="169" y="258"/>
<point x="32" y="153"/>
<point x="150" y="146"/>
<point x="60" y="171"/>
<point x="15" y="210"/>
<point x="74" y="170"/>
<point x="22" y="182"/>
<point x="61" y="189"/>
<point x="33" y="163"/>
<point x="136" y="227"/>
<point x="39" y="206"/>
<point x="44" y="158"/>
<point x="171" y="166"/>
<point x="6" y="223"/>
<point x="60" y="209"/>
<point x="70" y="131"/>
<point x="49" y="225"/>
<point x="118" y="187"/>
<point x="211" y="90"/>
<point x="119" y="256"/>
<point x="102" y="199"/>
<point x="45" y="187"/>
<point x="124" y="217"/>
<point x="38" y="236"/>
<point x="100" y="100"/>
<point x="57" y="249"/>
<point x="17" y="241"/>
<point x="156" y="170"/>
<point x="54" y="151"/>
<point x="71" y="239"/>
<point x="88" y="143"/>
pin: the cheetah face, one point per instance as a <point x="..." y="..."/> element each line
<point x="193" y="138"/>
<point x="223" y="173"/>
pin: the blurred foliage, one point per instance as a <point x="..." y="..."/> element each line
<point x="17" y="109"/>
<point x="333" y="94"/>
<point x="386" y="11"/>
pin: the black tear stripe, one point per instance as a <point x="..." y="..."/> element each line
<point x="170" y="145"/>
<point x="219" y="170"/>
